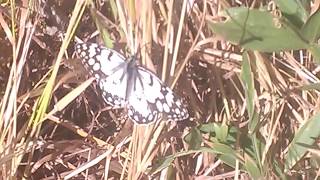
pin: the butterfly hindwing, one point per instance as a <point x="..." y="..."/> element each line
<point x="152" y="98"/>
<point x="141" y="102"/>
<point x="113" y="89"/>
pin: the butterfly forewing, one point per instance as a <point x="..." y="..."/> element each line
<point x="98" y="60"/>
<point x="106" y="65"/>
<point x="141" y="92"/>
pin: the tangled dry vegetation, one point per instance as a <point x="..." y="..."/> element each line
<point x="247" y="70"/>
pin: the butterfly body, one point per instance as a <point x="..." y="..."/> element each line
<point x="126" y="84"/>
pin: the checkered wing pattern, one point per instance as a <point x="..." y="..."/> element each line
<point x="133" y="87"/>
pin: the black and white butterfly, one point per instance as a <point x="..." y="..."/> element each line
<point x="126" y="84"/>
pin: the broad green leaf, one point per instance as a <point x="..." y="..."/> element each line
<point x="221" y="132"/>
<point x="194" y="138"/>
<point x="166" y="161"/>
<point x="207" y="128"/>
<point x="252" y="168"/>
<point x="304" y="138"/>
<point x="226" y="154"/>
<point x="293" y="11"/>
<point x="311" y="29"/>
<point x="258" y="30"/>
<point x="315" y="51"/>
<point x="278" y="169"/>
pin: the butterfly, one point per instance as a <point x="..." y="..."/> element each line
<point x="126" y="84"/>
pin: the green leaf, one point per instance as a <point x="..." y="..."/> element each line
<point x="315" y="51"/>
<point x="293" y="11"/>
<point x="166" y="161"/>
<point x="247" y="81"/>
<point x="304" y="139"/>
<point x="221" y="132"/>
<point x="101" y="24"/>
<point x="278" y="169"/>
<point x="194" y="138"/>
<point x="252" y="168"/>
<point x="313" y="86"/>
<point x="226" y="154"/>
<point x="311" y="29"/>
<point x="207" y="128"/>
<point x="258" y="30"/>
<point x="248" y="85"/>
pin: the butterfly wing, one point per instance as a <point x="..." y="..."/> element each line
<point x="106" y="65"/>
<point x="114" y="88"/>
<point x="148" y="98"/>
<point x="151" y="98"/>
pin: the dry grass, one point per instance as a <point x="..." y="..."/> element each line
<point x="253" y="100"/>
